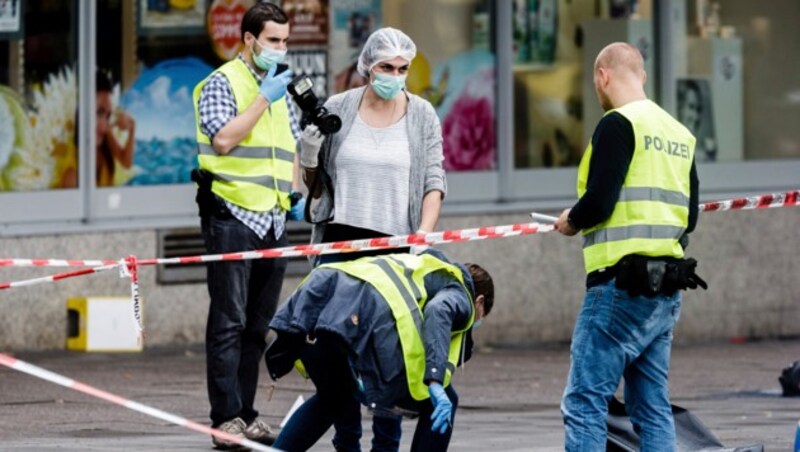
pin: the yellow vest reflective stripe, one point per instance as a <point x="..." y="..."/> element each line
<point x="399" y="278"/>
<point x="256" y="174"/>
<point x="653" y="208"/>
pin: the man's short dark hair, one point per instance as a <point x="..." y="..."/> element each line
<point x="255" y="17"/>
<point x="483" y="286"/>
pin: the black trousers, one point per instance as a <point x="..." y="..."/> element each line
<point x="244" y="297"/>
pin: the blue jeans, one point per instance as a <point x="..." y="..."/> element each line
<point x="617" y="336"/>
<point x="244" y="296"/>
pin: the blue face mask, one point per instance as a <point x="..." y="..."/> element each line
<point x="387" y="86"/>
<point x="477" y="323"/>
<point x="268" y="57"/>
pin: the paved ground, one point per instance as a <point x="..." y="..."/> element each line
<point x="509" y="399"/>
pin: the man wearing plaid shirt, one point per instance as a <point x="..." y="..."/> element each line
<point x="246" y="133"/>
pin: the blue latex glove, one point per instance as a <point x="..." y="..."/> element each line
<point x="297" y="212"/>
<point x="442" y="408"/>
<point x="273" y="87"/>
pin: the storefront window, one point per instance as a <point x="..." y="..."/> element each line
<point x="555" y="43"/>
<point x="455" y="70"/>
<point x="38" y="95"/>
<point x="737" y="82"/>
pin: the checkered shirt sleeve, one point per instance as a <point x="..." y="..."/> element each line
<point x="217" y="106"/>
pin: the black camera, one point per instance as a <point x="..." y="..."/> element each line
<point x="313" y="112"/>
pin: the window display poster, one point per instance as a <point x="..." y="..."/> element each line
<point x="223" y="23"/>
<point x="695" y="111"/>
<point x="463" y="93"/>
<point x="38" y="148"/>
<point x="352" y="21"/>
<point x="171" y="16"/>
<point x="160" y="102"/>
<point x="11" y="19"/>
<point x="535" y="30"/>
<point x="309" y="22"/>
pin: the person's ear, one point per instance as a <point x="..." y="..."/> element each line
<point x="605" y="76"/>
<point x="644" y="77"/>
<point x="479" y="304"/>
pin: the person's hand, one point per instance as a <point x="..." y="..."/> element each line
<point x="442" y="408"/>
<point x="273" y="87"/>
<point x="563" y="226"/>
<point x="124" y="121"/>
<point x="310" y="143"/>
<point x="297" y="212"/>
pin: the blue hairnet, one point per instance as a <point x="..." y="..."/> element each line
<point x="385" y="44"/>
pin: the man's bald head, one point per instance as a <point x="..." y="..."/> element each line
<point x="620" y="57"/>
<point x="619" y="75"/>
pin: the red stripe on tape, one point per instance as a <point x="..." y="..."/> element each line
<point x="791" y="198"/>
<point x="416" y="239"/>
<point x="341" y="245"/>
<point x="765" y="201"/>
<point x="380" y="241"/>
<point x="187" y="260"/>
<point x="7" y="360"/>
<point x="309" y="249"/>
<point x="739" y="203"/>
<point x="65" y="275"/>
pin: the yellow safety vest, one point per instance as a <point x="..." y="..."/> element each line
<point x="256" y="174"/>
<point x="399" y="278"/>
<point x="653" y="207"/>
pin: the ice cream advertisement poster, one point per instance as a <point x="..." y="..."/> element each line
<point x="38" y="140"/>
<point x="160" y="102"/>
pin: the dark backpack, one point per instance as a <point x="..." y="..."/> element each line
<point x="790" y="380"/>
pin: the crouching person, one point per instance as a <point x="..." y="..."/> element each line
<point x="385" y="331"/>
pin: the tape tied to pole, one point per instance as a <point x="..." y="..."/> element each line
<point x="129" y="268"/>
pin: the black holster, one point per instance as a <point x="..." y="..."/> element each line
<point x="208" y="203"/>
<point x="649" y="276"/>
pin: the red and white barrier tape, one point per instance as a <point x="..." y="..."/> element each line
<point x="59" y="276"/>
<point x="430" y="238"/>
<point x="52" y="377"/>
<point x="787" y="199"/>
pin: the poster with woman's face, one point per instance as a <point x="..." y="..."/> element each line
<point x="695" y="111"/>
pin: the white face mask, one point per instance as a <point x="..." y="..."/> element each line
<point x="268" y="56"/>
<point x="387" y="86"/>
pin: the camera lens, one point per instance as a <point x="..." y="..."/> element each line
<point x="330" y="124"/>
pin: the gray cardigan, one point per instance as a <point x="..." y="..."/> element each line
<point x="425" y="142"/>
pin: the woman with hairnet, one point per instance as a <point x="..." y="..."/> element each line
<point x="380" y="175"/>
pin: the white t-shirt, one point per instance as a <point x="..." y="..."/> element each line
<point x="372" y="178"/>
